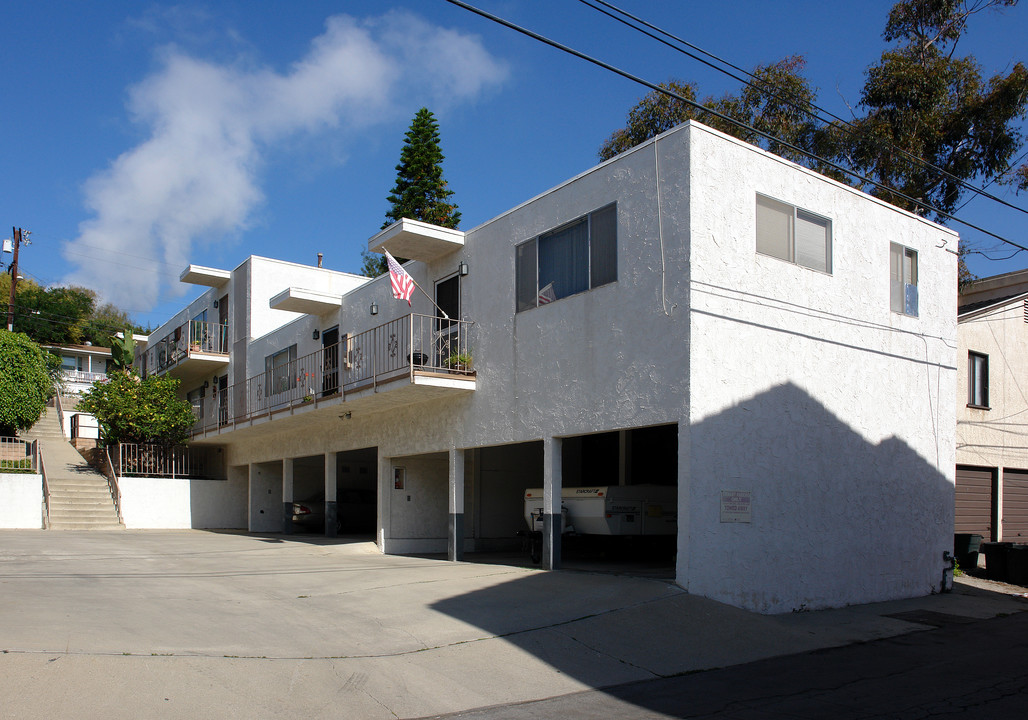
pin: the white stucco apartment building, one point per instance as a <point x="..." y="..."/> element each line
<point x="694" y="313"/>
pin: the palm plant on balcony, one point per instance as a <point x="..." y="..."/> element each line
<point x="459" y="361"/>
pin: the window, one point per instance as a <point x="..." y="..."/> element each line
<point x="794" y="235"/>
<point x="279" y="374"/>
<point x="903" y="279"/>
<point x="978" y="380"/>
<point x="574" y="258"/>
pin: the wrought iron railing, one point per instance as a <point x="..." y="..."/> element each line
<point x="82" y="376"/>
<point x="130" y="459"/>
<point x="38" y="451"/>
<point x="18" y="455"/>
<point x="191" y="337"/>
<point x="112" y="482"/>
<point x="399" y="348"/>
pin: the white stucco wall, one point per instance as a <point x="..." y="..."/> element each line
<point x="21" y="501"/>
<point x="809" y="393"/>
<point x="983" y="436"/>
<point x="182" y="503"/>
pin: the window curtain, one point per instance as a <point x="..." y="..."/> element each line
<point x="564" y="260"/>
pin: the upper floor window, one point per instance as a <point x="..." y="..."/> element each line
<point x="977" y="380"/>
<point x="279" y="374"/>
<point x="903" y="279"/>
<point x="794" y="235"/>
<point x="571" y="259"/>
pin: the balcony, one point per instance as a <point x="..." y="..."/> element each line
<point x="194" y="350"/>
<point x="408" y="360"/>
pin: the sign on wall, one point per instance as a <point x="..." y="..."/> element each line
<point x="736" y="506"/>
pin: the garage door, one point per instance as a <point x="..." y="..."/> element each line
<point x="1015" y="506"/>
<point x="974" y="501"/>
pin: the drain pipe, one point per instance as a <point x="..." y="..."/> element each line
<point x="947" y="572"/>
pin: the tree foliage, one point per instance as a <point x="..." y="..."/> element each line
<point x="922" y="98"/>
<point x="919" y="101"/>
<point x="133" y="410"/>
<point x="27" y="376"/>
<point x="63" y="315"/>
<point x="776" y="104"/>
<point x="420" y="192"/>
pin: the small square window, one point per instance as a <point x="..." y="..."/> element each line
<point x="977" y="380"/>
<point x="903" y="279"/>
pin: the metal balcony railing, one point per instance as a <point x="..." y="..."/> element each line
<point x="191" y="337"/>
<point x="413" y="344"/>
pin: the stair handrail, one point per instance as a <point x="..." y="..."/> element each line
<point x="112" y="483"/>
<point x="37" y="451"/>
<point x="60" y="409"/>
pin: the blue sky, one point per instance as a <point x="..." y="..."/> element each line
<point x="139" y="137"/>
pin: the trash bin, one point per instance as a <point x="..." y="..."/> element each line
<point x="1017" y="565"/>
<point x="996" y="560"/>
<point x="965" y="550"/>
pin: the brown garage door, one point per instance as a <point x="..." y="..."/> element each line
<point x="974" y="501"/>
<point x="1015" y="506"/>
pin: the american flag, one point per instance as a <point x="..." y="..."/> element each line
<point x="403" y="283"/>
<point x="546" y="294"/>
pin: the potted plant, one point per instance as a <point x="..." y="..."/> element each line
<point x="459" y="361"/>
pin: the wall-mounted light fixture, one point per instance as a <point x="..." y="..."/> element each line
<point x="374" y="308"/>
<point x="215" y="303"/>
<point x="206" y="384"/>
<point x="316" y="334"/>
<point x="462" y="268"/>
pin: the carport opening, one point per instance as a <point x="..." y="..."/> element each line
<point x="356" y="494"/>
<point x="634" y="531"/>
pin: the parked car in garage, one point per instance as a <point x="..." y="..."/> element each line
<point x="355" y="512"/>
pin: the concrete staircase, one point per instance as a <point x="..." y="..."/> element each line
<point x="80" y="498"/>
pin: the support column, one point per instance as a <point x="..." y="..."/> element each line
<point x="552" y="485"/>
<point x="287" y="495"/>
<point x="455" y="548"/>
<point x="331" y="504"/>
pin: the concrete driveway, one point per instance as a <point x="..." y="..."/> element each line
<point x="198" y="624"/>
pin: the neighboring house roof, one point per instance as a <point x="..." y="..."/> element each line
<point x="82" y="349"/>
<point x="976" y="308"/>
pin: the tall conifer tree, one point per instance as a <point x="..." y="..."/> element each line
<point x="420" y="192"/>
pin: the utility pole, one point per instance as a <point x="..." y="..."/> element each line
<point x="17" y="232"/>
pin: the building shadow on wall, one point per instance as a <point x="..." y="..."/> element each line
<point x="835" y="520"/>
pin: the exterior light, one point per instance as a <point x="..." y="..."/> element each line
<point x="462" y="268"/>
<point x="316" y="334"/>
<point x="374" y="308"/>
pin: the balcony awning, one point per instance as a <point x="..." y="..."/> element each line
<point x="417" y="240"/>
<point x="309" y="302"/>
<point x="210" y="277"/>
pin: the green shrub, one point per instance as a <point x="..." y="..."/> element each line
<point x="27" y="374"/>
<point x="132" y="410"/>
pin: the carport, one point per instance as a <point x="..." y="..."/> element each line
<point x="338" y="490"/>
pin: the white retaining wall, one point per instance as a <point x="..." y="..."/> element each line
<point x="21" y="501"/>
<point x="182" y="503"/>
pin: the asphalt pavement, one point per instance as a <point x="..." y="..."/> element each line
<point x="199" y="624"/>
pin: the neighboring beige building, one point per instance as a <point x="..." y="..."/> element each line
<point x="992" y="408"/>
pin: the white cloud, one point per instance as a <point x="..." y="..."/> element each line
<point x="195" y="176"/>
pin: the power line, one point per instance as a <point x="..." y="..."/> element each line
<point x="768" y="90"/>
<point x="725" y="118"/>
